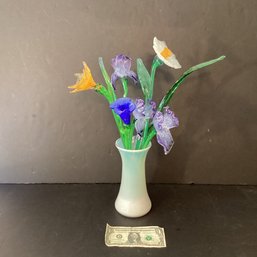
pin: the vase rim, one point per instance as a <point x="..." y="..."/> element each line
<point x="117" y="144"/>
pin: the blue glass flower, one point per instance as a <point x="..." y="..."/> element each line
<point x="163" y="122"/>
<point x="142" y="113"/>
<point x="121" y="65"/>
<point x="123" y="107"/>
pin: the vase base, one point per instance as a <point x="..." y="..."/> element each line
<point x="133" y="209"/>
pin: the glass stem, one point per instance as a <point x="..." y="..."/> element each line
<point x="144" y="134"/>
<point x="125" y="86"/>
<point x="138" y="142"/>
<point x="149" y="138"/>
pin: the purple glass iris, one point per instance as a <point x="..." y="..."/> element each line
<point x="123" y="107"/>
<point x="142" y="113"/>
<point x="163" y="122"/>
<point x="121" y="65"/>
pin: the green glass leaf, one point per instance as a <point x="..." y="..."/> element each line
<point x="204" y="64"/>
<point x="166" y="99"/>
<point x="144" y="78"/>
<point x="107" y="79"/>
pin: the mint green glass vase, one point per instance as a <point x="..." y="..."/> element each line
<point x="133" y="200"/>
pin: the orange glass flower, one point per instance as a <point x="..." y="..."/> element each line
<point x="85" y="80"/>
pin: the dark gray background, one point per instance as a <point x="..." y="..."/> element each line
<point x="48" y="135"/>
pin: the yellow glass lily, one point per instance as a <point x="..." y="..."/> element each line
<point x="165" y="54"/>
<point x="85" y="80"/>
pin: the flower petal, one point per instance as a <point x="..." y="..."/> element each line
<point x="115" y="61"/>
<point x="132" y="107"/>
<point x="140" y="105"/>
<point x="172" y="62"/>
<point x="125" y="116"/>
<point x="114" y="77"/>
<point x="150" y="110"/>
<point x="131" y="74"/>
<point x="170" y="120"/>
<point x="126" y="62"/>
<point x="164" y="138"/>
<point x="158" y="121"/>
<point x="140" y="125"/>
<point x="158" y="45"/>
<point x="121" y="65"/>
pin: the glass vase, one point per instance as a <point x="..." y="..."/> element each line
<point x="133" y="200"/>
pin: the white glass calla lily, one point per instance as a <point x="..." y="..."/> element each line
<point x="165" y="54"/>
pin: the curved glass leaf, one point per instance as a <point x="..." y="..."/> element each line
<point x="165" y="100"/>
<point x="107" y="79"/>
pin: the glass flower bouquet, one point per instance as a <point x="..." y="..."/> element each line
<point x="139" y="120"/>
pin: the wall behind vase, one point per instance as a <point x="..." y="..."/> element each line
<point x="48" y="135"/>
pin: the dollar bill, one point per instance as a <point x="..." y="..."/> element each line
<point x="150" y="236"/>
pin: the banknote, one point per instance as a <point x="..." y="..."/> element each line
<point x="150" y="236"/>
